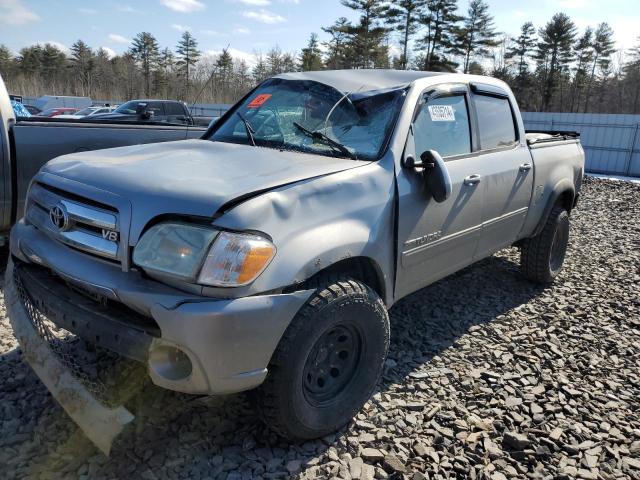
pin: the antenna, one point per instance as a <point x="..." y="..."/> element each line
<point x="197" y="97"/>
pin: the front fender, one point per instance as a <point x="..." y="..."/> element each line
<point x="319" y="222"/>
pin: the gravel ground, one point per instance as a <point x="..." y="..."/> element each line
<point x="488" y="376"/>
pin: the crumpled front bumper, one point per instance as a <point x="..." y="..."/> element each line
<point x="100" y="423"/>
<point x="229" y="342"/>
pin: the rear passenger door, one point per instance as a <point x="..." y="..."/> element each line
<point x="435" y="239"/>
<point x="507" y="168"/>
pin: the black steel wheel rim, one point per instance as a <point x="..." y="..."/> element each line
<point x="559" y="246"/>
<point x="332" y="364"/>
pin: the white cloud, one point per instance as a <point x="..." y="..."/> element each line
<point x="264" y="16"/>
<point x="257" y="3"/>
<point x="180" y="28"/>
<point x="242" y="31"/>
<point x="110" y="52"/>
<point x="249" y="58"/>
<point x="183" y="6"/>
<point x="114" y="37"/>
<point x="127" y="9"/>
<point x="58" y="45"/>
<point x="13" y="12"/>
<point x="213" y="33"/>
<point x="570" y="4"/>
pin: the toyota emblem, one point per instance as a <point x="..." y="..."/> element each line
<point x="59" y="217"/>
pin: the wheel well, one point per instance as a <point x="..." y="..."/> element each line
<point x="363" y="269"/>
<point x="566" y="200"/>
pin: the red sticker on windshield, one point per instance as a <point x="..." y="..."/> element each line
<point x="259" y="100"/>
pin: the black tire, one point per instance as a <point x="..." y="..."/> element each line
<point x="343" y="315"/>
<point x="542" y="256"/>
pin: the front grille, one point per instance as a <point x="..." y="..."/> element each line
<point x="109" y="377"/>
<point x="82" y="224"/>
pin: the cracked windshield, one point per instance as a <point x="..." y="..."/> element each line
<point x="315" y="118"/>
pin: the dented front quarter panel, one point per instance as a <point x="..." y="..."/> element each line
<point x="318" y="222"/>
<point x="99" y="423"/>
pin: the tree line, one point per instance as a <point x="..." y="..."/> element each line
<point x="553" y="67"/>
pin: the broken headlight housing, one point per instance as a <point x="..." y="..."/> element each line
<point x="202" y="255"/>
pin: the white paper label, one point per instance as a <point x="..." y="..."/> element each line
<point x="441" y="113"/>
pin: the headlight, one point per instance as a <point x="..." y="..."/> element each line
<point x="236" y="260"/>
<point x="186" y="252"/>
<point x="174" y="249"/>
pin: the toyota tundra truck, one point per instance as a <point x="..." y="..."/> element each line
<point x="266" y="254"/>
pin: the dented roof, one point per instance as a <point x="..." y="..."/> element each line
<point x="360" y="80"/>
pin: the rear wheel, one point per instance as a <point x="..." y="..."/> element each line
<point x="542" y="256"/>
<point x="328" y="362"/>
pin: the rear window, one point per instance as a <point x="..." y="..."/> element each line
<point x="495" y="122"/>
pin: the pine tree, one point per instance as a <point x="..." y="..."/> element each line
<point x="260" y="70"/>
<point x="632" y="76"/>
<point x="188" y="56"/>
<point x="224" y="71"/>
<point x="523" y="48"/>
<point x="311" y="56"/>
<point x="162" y="75"/>
<point x="145" y="49"/>
<point x="583" y="55"/>
<point x="6" y="62"/>
<point x="367" y="36"/>
<point x="104" y="75"/>
<point x="602" y="47"/>
<point x="554" y="53"/>
<point x="30" y="60"/>
<point x="403" y="16"/>
<point x="83" y="65"/>
<point x="338" y="46"/>
<point x="477" y="33"/>
<point x="440" y="22"/>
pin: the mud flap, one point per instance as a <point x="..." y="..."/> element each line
<point x="98" y="422"/>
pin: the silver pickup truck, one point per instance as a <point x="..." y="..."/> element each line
<point x="266" y="254"/>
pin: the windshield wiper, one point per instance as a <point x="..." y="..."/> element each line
<point x="316" y="135"/>
<point x="248" y="128"/>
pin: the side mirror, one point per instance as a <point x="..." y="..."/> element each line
<point x="146" y="115"/>
<point x="435" y="172"/>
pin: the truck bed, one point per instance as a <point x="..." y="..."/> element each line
<point x="538" y="137"/>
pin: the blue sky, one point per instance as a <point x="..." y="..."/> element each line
<point x="250" y="26"/>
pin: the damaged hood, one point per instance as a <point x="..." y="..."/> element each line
<point x="190" y="177"/>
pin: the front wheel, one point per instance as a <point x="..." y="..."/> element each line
<point x="542" y="256"/>
<point x="328" y="362"/>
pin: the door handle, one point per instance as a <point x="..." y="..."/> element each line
<point x="525" y="167"/>
<point x="473" y="179"/>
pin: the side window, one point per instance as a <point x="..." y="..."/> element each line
<point x="174" y="109"/>
<point x="495" y="122"/>
<point x="157" y="108"/>
<point x="442" y="124"/>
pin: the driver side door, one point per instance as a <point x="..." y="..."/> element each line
<point x="436" y="239"/>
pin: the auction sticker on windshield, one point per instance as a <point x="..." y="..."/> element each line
<point x="441" y="113"/>
<point x="259" y="100"/>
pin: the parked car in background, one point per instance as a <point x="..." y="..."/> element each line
<point x="156" y="111"/>
<point x="89" y="112"/>
<point x="32" y="109"/>
<point x="267" y="253"/>
<point x="54" y="112"/>
<point x="28" y="143"/>
<point x="20" y="110"/>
